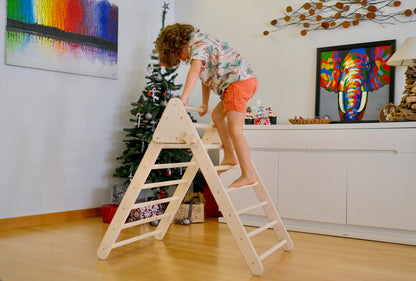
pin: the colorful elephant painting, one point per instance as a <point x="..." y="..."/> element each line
<point x="352" y="74"/>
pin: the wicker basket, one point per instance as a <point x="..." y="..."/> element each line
<point x="310" y="121"/>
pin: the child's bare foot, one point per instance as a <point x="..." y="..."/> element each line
<point x="225" y="162"/>
<point x="231" y="162"/>
<point x="242" y="181"/>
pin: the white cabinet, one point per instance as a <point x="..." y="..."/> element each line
<point x="312" y="186"/>
<point x="382" y="190"/>
<point x="354" y="180"/>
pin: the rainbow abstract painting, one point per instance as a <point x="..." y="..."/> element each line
<point x="74" y="36"/>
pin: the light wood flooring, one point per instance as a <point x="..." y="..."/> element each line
<point x="67" y="251"/>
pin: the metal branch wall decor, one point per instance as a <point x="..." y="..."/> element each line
<point x="329" y="14"/>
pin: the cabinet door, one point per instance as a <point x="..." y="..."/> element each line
<point x="382" y="190"/>
<point x="266" y="164"/>
<point x="312" y="186"/>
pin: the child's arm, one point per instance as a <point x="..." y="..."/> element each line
<point x="205" y="98"/>
<point x="193" y="76"/>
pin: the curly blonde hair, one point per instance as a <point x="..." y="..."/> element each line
<point x="170" y="42"/>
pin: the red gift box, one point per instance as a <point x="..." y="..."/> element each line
<point x="211" y="206"/>
<point x="108" y="211"/>
<point x="150" y="211"/>
<point x="145" y="212"/>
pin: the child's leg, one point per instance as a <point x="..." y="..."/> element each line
<point x="236" y="96"/>
<point x="218" y="117"/>
<point x="235" y="128"/>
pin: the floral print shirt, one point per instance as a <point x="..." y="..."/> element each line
<point x="221" y="64"/>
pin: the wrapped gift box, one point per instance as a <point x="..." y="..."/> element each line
<point x="118" y="193"/>
<point x="197" y="213"/>
<point x="192" y="209"/>
<point x="134" y="215"/>
<point x="150" y="211"/>
<point x="145" y="212"/>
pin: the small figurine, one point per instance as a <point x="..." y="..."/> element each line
<point x="272" y="116"/>
<point x="249" y="120"/>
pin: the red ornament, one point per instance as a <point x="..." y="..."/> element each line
<point x="267" y="122"/>
<point x="162" y="194"/>
<point x="149" y="94"/>
<point x="164" y="94"/>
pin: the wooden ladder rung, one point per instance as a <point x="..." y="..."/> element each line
<point x="136" y="238"/>
<point x="175" y="146"/>
<point x="226" y="167"/>
<point x="163" y="183"/>
<point x="214" y="146"/>
<point x="231" y="189"/>
<point x="196" y="109"/>
<point x="245" y="210"/>
<point x="143" y="221"/>
<point x="261" y="229"/>
<point x="203" y="126"/>
<point x="154" y="202"/>
<point x="173" y="165"/>
<point x="272" y="249"/>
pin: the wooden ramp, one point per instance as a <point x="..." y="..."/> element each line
<point x="177" y="131"/>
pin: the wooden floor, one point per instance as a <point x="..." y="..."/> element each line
<point x="198" y="252"/>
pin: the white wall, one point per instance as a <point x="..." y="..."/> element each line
<point x="283" y="61"/>
<point x="61" y="133"/>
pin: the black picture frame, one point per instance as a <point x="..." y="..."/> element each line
<point x="360" y="73"/>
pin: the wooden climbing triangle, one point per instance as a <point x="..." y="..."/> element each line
<point x="177" y="131"/>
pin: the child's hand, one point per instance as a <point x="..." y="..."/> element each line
<point x="184" y="101"/>
<point x="204" y="108"/>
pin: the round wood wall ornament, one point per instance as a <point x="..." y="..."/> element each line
<point x="387" y="112"/>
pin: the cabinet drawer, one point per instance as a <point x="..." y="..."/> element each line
<point x="278" y="139"/>
<point x="365" y="139"/>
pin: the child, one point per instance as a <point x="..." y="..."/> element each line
<point x="222" y="70"/>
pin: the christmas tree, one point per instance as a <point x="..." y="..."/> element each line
<point x="146" y="113"/>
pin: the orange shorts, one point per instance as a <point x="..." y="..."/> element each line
<point x="237" y="94"/>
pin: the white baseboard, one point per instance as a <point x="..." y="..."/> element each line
<point x="348" y="231"/>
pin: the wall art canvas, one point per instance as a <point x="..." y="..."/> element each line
<point x="354" y="82"/>
<point x="73" y="36"/>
